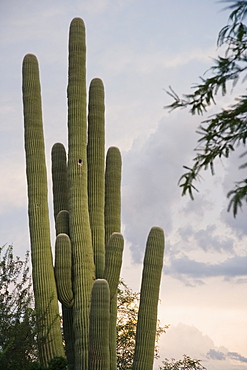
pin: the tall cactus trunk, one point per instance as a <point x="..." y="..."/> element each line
<point x="48" y="320"/>
<point x="96" y="171"/>
<point x="79" y="225"/>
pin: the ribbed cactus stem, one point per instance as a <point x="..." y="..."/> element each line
<point x="113" y="261"/>
<point x="62" y="222"/>
<point x="63" y="270"/>
<point x="99" y="355"/>
<point x="147" y="314"/>
<point x="79" y="226"/>
<point x="113" y="224"/>
<point x="112" y="192"/>
<point x="62" y="227"/>
<point x="50" y="338"/>
<point x="61" y="215"/>
<point x="96" y="169"/>
<point x="59" y="178"/>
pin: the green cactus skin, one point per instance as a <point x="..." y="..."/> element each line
<point x="79" y="225"/>
<point x="63" y="270"/>
<point x="113" y="224"/>
<point x="69" y="337"/>
<point x="59" y="178"/>
<point x="147" y="314"/>
<point x="62" y="222"/>
<point x="83" y="200"/>
<point x="113" y="261"/>
<point x="96" y="169"/>
<point x="112" y="192"/>
<point x="62" y="226"/>
<point x="50" y="343"/>
<point x="99" y="355"/>
<point x="61" y="215"/>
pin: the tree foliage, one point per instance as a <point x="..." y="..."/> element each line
<point x="186" y="363"/>
<point x="18" y="329"/>
<point x="17" y="315"/>
<point x="223" y="132"/>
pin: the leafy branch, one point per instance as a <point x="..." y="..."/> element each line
<point x="226" y="130"/>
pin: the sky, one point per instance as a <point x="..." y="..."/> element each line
<point x="139" y="48"/>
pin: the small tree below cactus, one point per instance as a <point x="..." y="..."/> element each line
<point x="18" y="342"/>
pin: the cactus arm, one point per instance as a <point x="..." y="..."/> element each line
<point x="61" y="215"/>
<point x="112" y="192"/>
<point x="113" y="261"/>
<point x="62" y="223"/>
<point x="50" y="343"/>
<point x="79" y="226"/>
<point x="99" y="356"/>
<point x="113" y="224"/>
<point x="147" y="314"/>
<point x="96" y="168"/>
<point x="63" y="270"/>
<point x="59" y="178"/>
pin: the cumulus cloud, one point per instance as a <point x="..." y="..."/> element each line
<point x="150" y="176"/>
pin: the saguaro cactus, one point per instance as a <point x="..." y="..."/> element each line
<point x="89" y="245"/>
<point x="50" y="338"/>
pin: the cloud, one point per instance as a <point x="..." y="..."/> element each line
<point x="194" y="231"/>
<point x="187" y="339"/>
<point x="207" y="238"/>
<point x="231" y="268"/>
<point x="150" y="175"/>
<point x="216" y="355"/>
<point x="236" y="356"/>
<point x="221" y="356"/>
